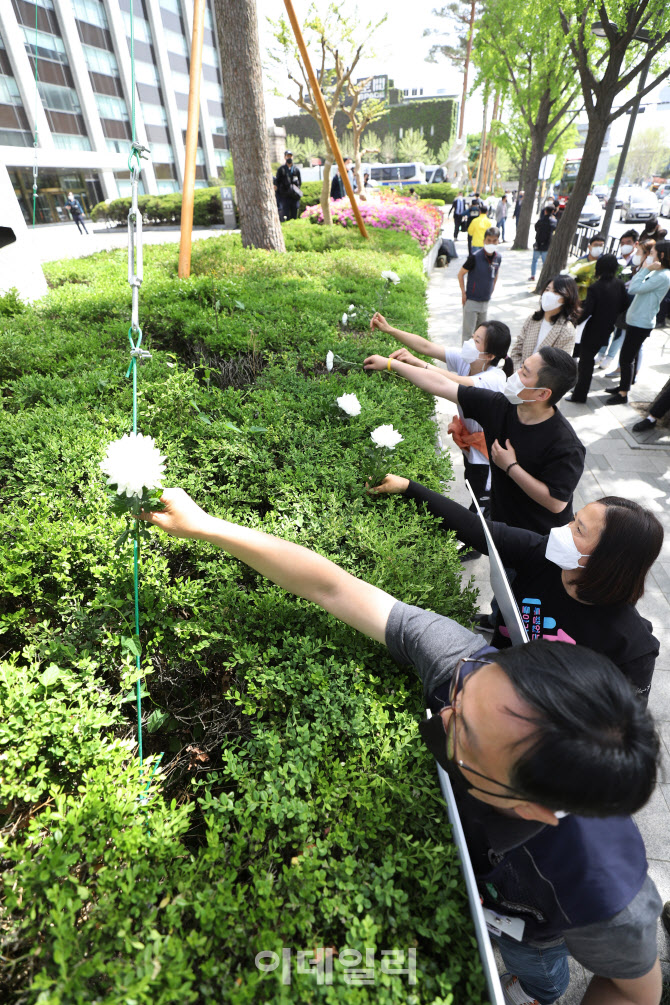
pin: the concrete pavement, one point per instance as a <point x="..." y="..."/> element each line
<point x="618" y="462"/>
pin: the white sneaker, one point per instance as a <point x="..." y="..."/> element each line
<point x="604" y="362"/>
<point x="598" y="359"/>
<point x="513" y="993"/>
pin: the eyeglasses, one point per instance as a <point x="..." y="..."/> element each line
<point x="452" y="752"/>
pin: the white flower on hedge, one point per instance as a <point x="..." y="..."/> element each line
<point x="386" y="436"/>
<point x="350" y="404"/>
<point x="133" y="463"/>
<point x="344" y="319"/>
<point x="352" y="307"/>
<point x="392" y="277"/>
<point x="329" y="360"/>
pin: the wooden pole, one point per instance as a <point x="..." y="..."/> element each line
<point x="325" y="118"/>
<point x="184" y="268"/>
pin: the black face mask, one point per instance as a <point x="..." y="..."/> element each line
<point x="289" y="161"/>
<point x="434" y="736"/>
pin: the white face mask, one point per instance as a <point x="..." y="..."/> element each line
<point x="597" y="251"/>
<point x="562" y="550"/>
<point x="550" y="300"/>
<point x="636" y="259"/>
<point x="491" y="249"/>
<point x="626" y="250"/>
<point x="513" y="388"/>
<point x="469" y="351"/>
<point x="649" y="261"/>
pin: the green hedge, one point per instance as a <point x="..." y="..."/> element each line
<point x="295" y="807"/>
<point x="440" y="190"/>
<point x="207" y="208"/>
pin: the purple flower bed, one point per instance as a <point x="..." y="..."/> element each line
<point x="389" y="212"/>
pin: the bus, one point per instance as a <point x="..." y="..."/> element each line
<point x="399" y="174"/>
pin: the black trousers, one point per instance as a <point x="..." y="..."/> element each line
<point x="288" y="207"/>
<point x="628" y="355"/>
<point x="457" y="224"/>
<point x="661" y="403"/>
<point x="79" y="220"/>
<point x="593" y="338"/>
<point x="477" y="475"/>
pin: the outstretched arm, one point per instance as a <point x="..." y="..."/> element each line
<point x="296" y="569"/>
<point x="431" y="380"/>
<point x="415" y="342"/>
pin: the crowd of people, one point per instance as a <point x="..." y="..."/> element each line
<point x="549" y="746"/>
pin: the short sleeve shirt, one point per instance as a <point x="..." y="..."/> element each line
<point x="493" y="379"/>
<point x="550" y="451"/>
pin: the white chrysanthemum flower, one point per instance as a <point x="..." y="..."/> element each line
<point x="352" y="307"/>
<point x="350" y="404"/>
<point x="133" y="463"/>
<point x="344" y="319"/>
<point x="329" y="360"/>
<point x="392" y="277"/>
<point x="386" y="436"/>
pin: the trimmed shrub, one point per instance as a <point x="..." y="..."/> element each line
<point x="295" y="806"/>
<point x="157" y="209"/>
<point x="386" y="211"/>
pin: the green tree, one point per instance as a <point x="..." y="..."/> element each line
<point x="372" y="145"/>
<point x="340" y="42"/>
<point x="443" y="152"/>
<point x="461" y="16"/>
<point x="648" y="154"/>
<point x="361" y="115"/>
<point x="532" y="67"/>
<point x="295" y="144"/>
<point x="413" y="146"/>
<point x="606" y="68"/>
<point x="389" y="148"/>
<point x="310" y="148"/>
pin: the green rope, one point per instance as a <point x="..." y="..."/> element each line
<point x="35" y="117"/>
<point x="136" y="545"/>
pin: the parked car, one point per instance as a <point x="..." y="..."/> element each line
<point x="601" y="193"/>
<point x="641" y="204"/>
<point x="622" y="194"/>
<point x="663" y="190"/>
<point x="665" y="207"/>
<point x="592" y="211"/>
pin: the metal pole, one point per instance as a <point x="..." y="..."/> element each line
<point x="184" y="269"/>
<point x="325" y="118"/>
<point x="611" y="202"/>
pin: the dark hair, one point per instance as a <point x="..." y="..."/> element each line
<point x="651" y="222"/>
<point x="566" y="287"/>
<point x="606" y="268"/>
<point x="597" y="237"/>
<point x="663" y="252"/>
<point x="594" y="750"/>
<point x="476" y="195"/>
<point x="498" y="339"/>
<point x="628" y="547"/>
<point x="558" y="371"/>
<point x="491" y="231"/>
<point x="629" y="233"/>
<point x="482" y="207"/>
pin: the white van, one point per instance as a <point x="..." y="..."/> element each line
<point x="399" y="174"/>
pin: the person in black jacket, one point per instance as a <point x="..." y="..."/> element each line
<point x="544" y="229"/>
<point x="605" y="300"/>
<point x="289" y="182"/>
<point x="76" y="212"/>
<point x="589" y="599"/>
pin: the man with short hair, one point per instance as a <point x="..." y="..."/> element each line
<point x="458" y="209"/>
<point x="289" y="182"/>
<point x="501" y="216"/>
<point x="536" y="457"/>
<point x="478" y="228"/>
<point x="481" y="268"/>
<point x="584" y="269"/>
<point x="548" y="751"/>
<point x="544" y="231"/>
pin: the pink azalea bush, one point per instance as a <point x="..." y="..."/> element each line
<point x="389" y="211"/>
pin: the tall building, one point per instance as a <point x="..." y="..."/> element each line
<point x="66" y="79"/>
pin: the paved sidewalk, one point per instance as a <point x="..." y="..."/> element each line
<point x="54" y="241"/>
<point x="618" y="462"/>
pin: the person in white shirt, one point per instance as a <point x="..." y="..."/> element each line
<point x="476" y="364"/>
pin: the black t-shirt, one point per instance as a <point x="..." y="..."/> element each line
<point x="548" y="611"/>
<point x="549" y="451"/>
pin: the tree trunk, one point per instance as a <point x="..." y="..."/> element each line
<point x="528" y="204"/>
<point x="325" y="188"/>
<point x="237" y="25"/>
<point x="567" y="225"/>
<point x="466" y="67"/>
<point x="360" y="191"/>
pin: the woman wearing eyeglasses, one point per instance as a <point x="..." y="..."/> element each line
<point x="580" y="583"/>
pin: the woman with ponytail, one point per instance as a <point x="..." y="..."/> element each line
<point x="476" y="363"/>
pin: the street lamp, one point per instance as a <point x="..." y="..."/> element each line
<point x="642" y="35"/>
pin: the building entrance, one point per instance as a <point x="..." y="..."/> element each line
<point x="52" y="189"/>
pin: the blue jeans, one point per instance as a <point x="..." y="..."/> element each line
<point x="614" y="346"/>
<point x="544" y="973"/>
<point x="537" y="255"/>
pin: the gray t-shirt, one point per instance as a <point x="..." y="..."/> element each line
<point x="622" y="947"/>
